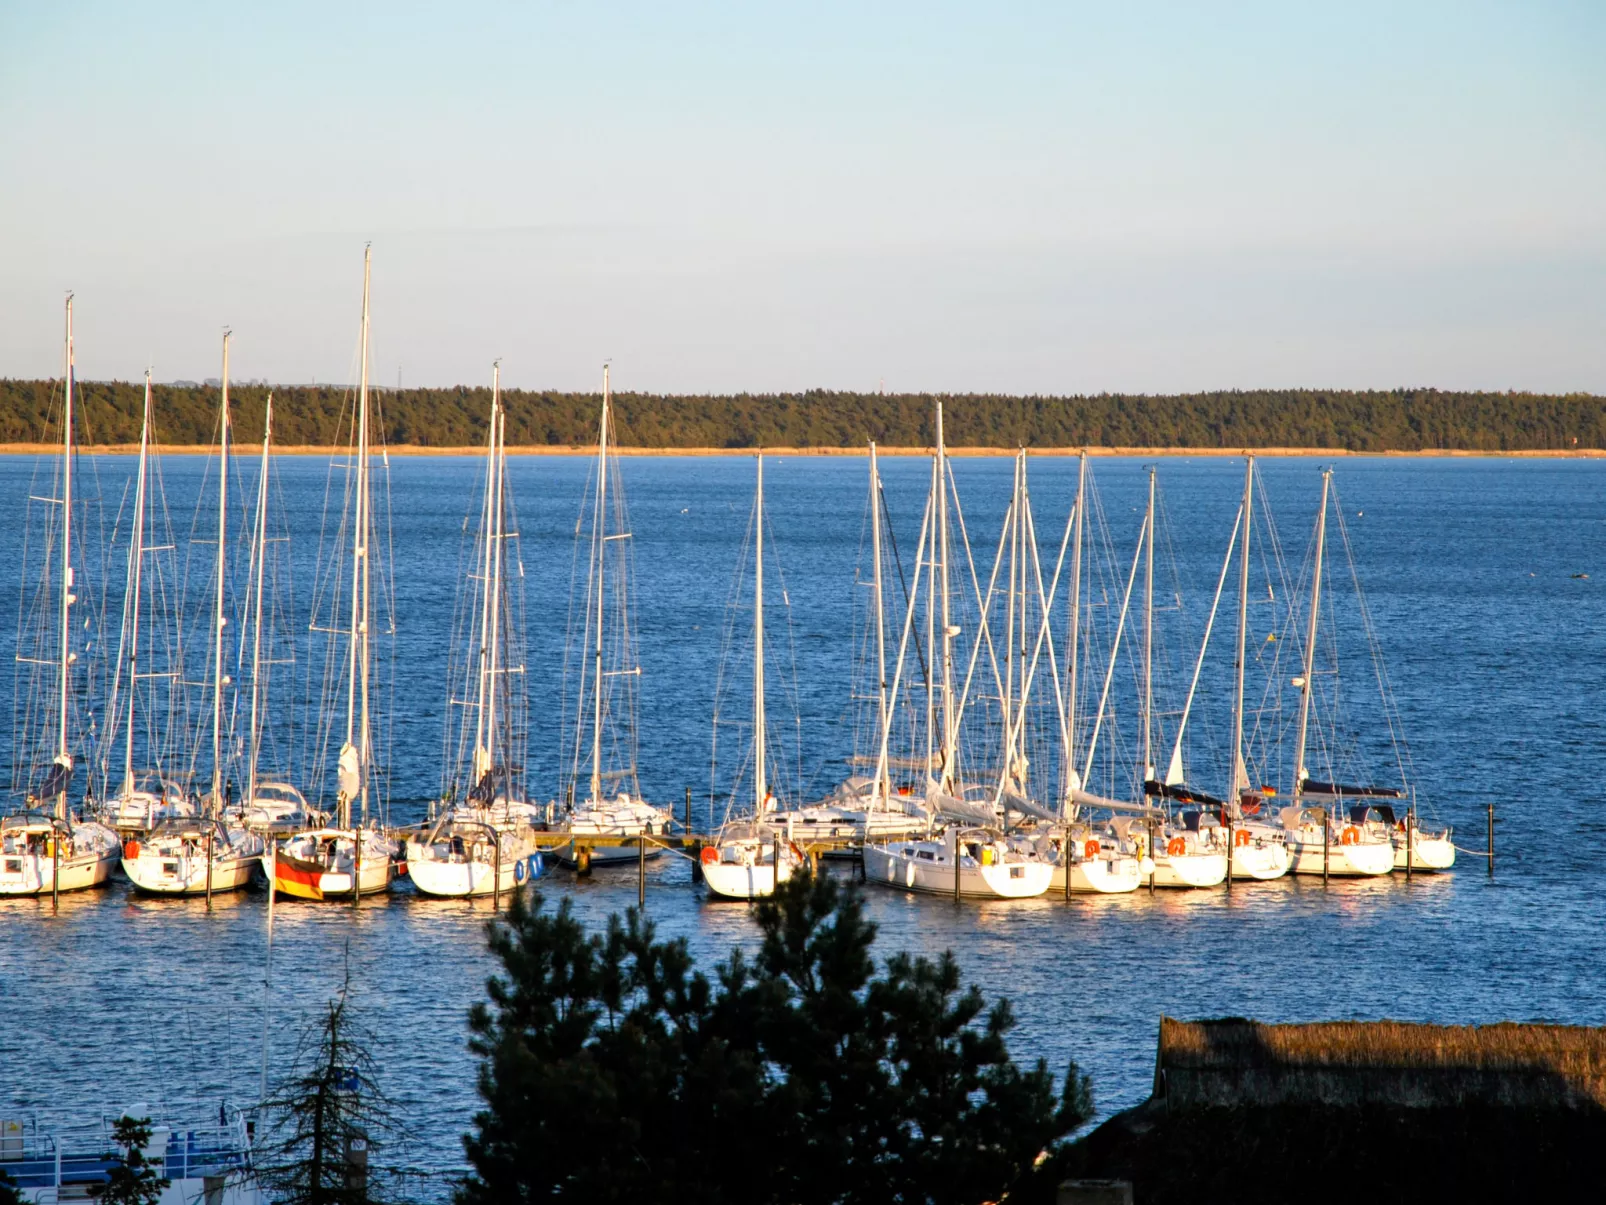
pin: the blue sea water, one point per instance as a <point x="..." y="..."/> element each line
<point x="1494" y="644"/>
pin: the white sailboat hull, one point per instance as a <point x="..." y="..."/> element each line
<point x="1360" y="860"/>
<point x="1261" y="862"/>
<point x="453" y="880"/>
<point x="1190" y="870"/>
<point x="35" y="872"/>
<point x="1000" y="880"/>
<point x="735" y="881"/>
<point x="1427" y="853"/>
<point x="157" y="874"/>
<point x="1106" y="875"/>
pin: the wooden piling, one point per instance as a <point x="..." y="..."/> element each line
<point x="688" y="809"/>
<point x="55" y="865"/>
<point x="1327" y="842"/>
<point x="1410" y="842"/>
<point x="956" y="865"/>
<point x="1229" y="848"/>
<point x="641" y="871"/>
<point x="496" y="873"/>
<point x="211" y="830"/>
<point x="1491" y="840"/>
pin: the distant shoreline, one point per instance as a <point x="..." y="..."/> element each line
<point x="16" y="449"/>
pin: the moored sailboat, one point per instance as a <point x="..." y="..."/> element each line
<point x="748" y="859"/>
<point x="483" y="841"/>
<point x="47" y="848"/>
<point x="606" y="804"/>
<point x="350" y="857"/>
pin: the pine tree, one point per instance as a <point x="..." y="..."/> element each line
<point x="131" y="1180"/>
<point x="611" y="1069"/>
<point x="327" y="1117"/>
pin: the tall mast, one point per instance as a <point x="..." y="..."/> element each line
<point x="63" y="756"/>
<point x="949" y="734"/>
<point x="136" y="563"/>
<point x="1148" y="643"/>
<point x="357" y="668"/>
<point x="760" y="788"/>
<point x="600" y="544"/>
<point x="494" y="587"/>
<point x="261" y="542"/>
<point x="1073" y="655"/>
<point x="482" y="754"/>
<point x="1013" y="524"/>
<point x="1238" y="781"/>
<point x="1310" y="642"/>
<point x="218" y="617"/>
<point x="882" y="785"/>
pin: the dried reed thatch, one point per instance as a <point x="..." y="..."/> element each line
<point x="1238" y="1063"/>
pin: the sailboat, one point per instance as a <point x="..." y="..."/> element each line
<point x="350" y="857"/>
<point x="200" y="855"/>
<point x="865" y="808"/>
<point x="483" y="840"/>
<point x="749" y="857"/>
<point x="272" y="806"/>
<point x="1091" y="858"/>
<point x="1316" y="842"/>
<point x="973" y="856"/>
<point x="611" y="807"/>
<point x="46" y="848"/>
<point x="143" y="798"/>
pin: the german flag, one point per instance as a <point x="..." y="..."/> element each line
<point x="297" y="878"/>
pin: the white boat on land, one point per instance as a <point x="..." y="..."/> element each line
<point x="482" y="842"/>
<point x="46" y="848"/>
<point x="37" y="850"/>
<point x="990" y="865"/>
<point x="209" y="1163"/>
<point x="179" y="857"/>
<point x="352" y="857"/>
<point x="607" y="674"/>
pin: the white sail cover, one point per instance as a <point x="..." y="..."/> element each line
<point x="1087" y="799"/>
<point x="1028" y="807"/>
<point x="350" y="775"/>
<point x="950" y="808"/>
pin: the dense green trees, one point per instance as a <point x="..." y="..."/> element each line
<point x="1401" y="420"/>
<point x="613" y="1071"/>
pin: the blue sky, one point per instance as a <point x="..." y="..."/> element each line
<point x="1021" y="197"/>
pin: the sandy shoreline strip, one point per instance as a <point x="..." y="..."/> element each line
<point x="565" y="450"/>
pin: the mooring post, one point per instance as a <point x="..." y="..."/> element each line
<point x="688" y="811"/>
<point x="210" y="830"/>
<point x="356" y="868"/>
<point x="55" y="864"/>
<point x="1327" y="841"/>
<point x="956" y="865"/>
<point x="641" y="871"/>
<point x="1410" y="842"/>
<point x="1230" y="848"/>
<point x="496" y="880"/>
<point x="1491" y="840"/>
<point x="582" y="860"/>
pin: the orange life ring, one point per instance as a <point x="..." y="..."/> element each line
<point x="1350" y="836"/>
<point x="710" y="855"/>
<point x="1243" y="837"/>
<point x="1091" y="849"/>
<point x="1176" y="847"/>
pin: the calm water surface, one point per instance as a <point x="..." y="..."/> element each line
<point x="1496" y="650"/>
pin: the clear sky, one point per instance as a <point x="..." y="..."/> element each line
<point x="1055" y="197"/>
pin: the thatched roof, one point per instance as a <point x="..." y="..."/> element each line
<point x="1236" y="1063"/>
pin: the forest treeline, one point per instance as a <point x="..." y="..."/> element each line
<point x="1406" y="420"/>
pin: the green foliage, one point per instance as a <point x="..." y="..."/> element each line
<point x="1406" y="420"/>
<point x="131" y="1181"/>
<point x="326" y="1117"/>
<point x="10" y="1194"/>
<point x="611" y="1070"/>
